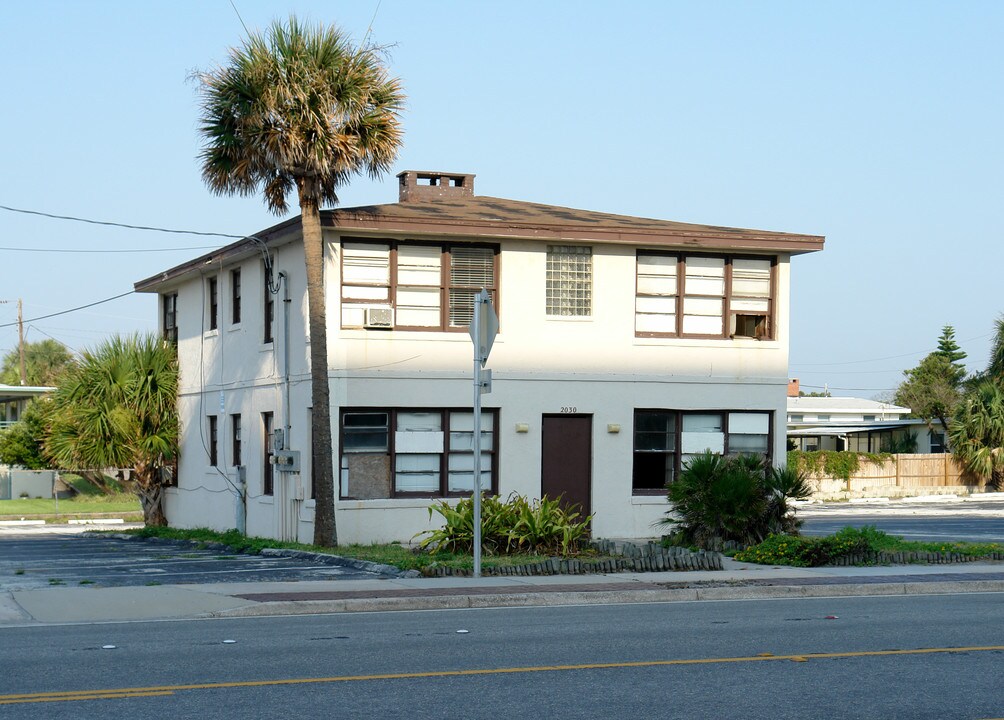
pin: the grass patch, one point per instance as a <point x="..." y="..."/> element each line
<point x="848" y="542"/>
<point x="19" y="571"/>
<point x="124" y="503"/>
<point x="392" y="554"/>
<point x="86" y="582"/>
<point x="56" y="581"/>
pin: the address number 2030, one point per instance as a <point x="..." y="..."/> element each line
<point x="569" y="409"/>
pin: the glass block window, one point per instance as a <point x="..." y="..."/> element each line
<point x="569" y="281"/>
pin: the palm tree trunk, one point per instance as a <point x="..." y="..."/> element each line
<point x="325" y="532"/>
<point x="151" y="496"/>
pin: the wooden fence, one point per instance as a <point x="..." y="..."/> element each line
<point x="900" y="476"/>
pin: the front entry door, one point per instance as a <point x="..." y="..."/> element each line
<point x="566" y="459"/>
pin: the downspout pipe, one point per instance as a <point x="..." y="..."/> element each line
<point x="284" y="278"/>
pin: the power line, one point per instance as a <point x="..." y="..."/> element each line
<point x="136" y="250"/>
<point x="64" y="312"/>
<point x="150" y="228"/>
<point x="890" y="357"/>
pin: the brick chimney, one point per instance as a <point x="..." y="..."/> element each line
<point x="793" y="387"/>
<point x="416" y="185"/>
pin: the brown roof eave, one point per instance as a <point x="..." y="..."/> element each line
<point x="739" y="240"/>
<point x="227" y="254"/>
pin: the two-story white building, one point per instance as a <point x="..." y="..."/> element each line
<point x="625" y="345"/>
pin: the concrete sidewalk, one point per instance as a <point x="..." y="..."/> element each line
<point x="738" y="581"/>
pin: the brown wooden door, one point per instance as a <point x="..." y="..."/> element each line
<point x="566" y="459"/>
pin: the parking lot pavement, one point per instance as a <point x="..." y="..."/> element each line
<point x="31" y="561"/>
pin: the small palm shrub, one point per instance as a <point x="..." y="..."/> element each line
<point x="719" y="499"/>
<point x="514" y="525"/>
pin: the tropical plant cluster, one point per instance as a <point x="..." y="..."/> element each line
<point x="848" y="542"/>
<point x="970" y="409"/>
<point x="741" y="499"/>
<point x="513" y="525"/>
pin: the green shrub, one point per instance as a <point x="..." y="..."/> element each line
<point x="832" y="463"/>
<point x="813" y="552"/>
<point x="740" y="499"/>
<point x="513" y="525"/>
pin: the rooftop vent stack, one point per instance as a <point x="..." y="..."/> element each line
<point x="418" y="186"/>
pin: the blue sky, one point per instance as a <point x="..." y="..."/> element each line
<point x="877" y="125"/>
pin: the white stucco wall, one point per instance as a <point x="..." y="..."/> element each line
<point x="541" y="365"/>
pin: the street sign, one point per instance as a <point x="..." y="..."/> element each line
<point x="484" y="328"/>
<point x="486" y="325"/>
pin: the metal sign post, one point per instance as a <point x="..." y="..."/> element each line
<point x="484" y="328"/>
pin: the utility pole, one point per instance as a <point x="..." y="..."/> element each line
<point x="20" y="343"/>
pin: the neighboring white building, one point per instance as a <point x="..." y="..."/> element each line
<point x="847" y="423"/>
<point x="625" y="345"/>
<point x="15" y="398"/>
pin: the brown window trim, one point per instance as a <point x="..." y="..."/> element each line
<point x="727" y="312"/>
<point x="444" y="465"/>
<point x="444" y="282"/>
<point x="678" y="453"/>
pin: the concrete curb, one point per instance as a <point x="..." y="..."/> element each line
<point x="603" y="597"/>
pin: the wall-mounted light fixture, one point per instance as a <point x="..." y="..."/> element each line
<point x="522" y="427"/>
<point x="613" y="428"/>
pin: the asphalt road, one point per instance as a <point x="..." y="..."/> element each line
<point x="970" y="520"/>
<point x="37" y="560"/>
<point x="909" y="657"/>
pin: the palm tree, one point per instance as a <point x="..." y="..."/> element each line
<point x="977" y="432"/>
<point x="118" y="408"/>
<point x="302" y="109"/>
<point x="45" y="362"/>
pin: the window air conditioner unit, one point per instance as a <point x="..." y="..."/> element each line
<point x="378" y="317"/>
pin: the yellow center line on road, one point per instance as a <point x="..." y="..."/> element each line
<point x="160" y="690"/>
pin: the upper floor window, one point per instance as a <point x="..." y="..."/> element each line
<point x="407" y="286"/>
<point x="704" y="296"/>
<point x="170" y="318"/>
<point x="211" y="291"/>
<point x="235" y="296"/>
<point x="268" y="304"/>
<point x="569" y="281"/>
